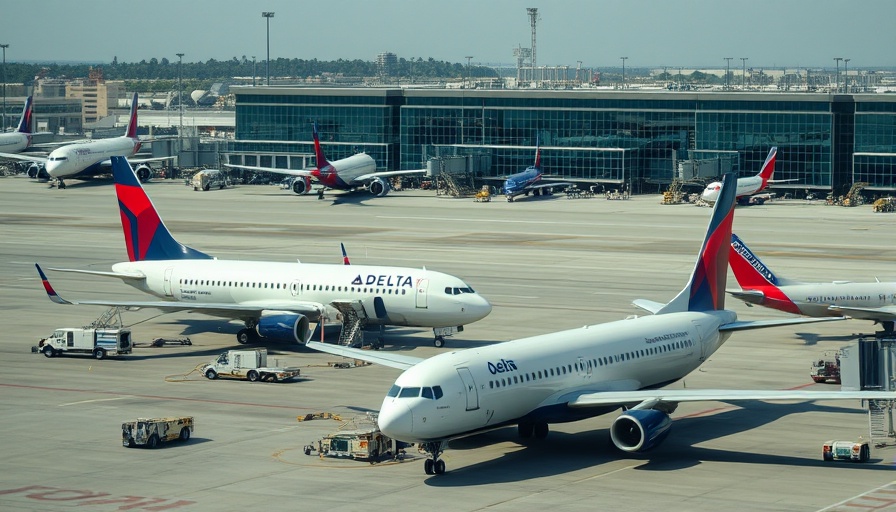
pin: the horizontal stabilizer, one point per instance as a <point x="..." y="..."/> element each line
<point x="747" y="295"/>
<point x="136" y="276"/>
<point x="762" y="324"/>
<point x="648" y="305"/>
<point x="382" y="358"/>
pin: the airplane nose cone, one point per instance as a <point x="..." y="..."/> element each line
<point x="480" y="307"/>
<point x="51" y="168"/>
<point x="395" y="419"/>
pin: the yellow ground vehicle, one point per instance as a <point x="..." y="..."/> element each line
<point x="484" y="195"/>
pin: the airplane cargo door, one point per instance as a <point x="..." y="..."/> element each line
<point x="422" y="288"/>
<point x="469" y="388"/>
<point x="166" y="284"/>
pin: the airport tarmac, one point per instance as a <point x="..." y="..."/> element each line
<point x="546" y="264"/>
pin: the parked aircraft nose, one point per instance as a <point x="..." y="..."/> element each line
<point x="395" y="419"/>
<point x="476" y="306"/>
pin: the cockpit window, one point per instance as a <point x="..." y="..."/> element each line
<point x="437" y="392"/>
<point x="393" y="391"/>
<point x="409" y="392"/>
<point x="427" y="393"/>
<point x="458" y="291"/>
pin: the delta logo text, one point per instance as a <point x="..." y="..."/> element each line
<point x="753" y="260"/>
<point x="502" y="366"/>
<point x="384" y="280"/>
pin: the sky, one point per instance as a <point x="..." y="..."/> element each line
<point x="651" y="33"/>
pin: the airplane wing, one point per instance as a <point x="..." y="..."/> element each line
<point x="648" y="398"/>
<point x="389" y="359"/>
<point x="151" y="159"/>
<point x="277" y="170"/>
<point x="386" y="174"/>
<point x="543" y="184"/>
<point x="28" y="157"/>
<point x="881" y="314"/>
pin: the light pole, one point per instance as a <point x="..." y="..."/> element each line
<point x="727" y="72"/>
<point x="469" y="76"/>
<point x="743" y="76"/>
<point x="180" y="99"/>
<point x="623" y="71"/>
<point x="4" y="46"/>
<point x="267" y="69"/>
<point x="837" y="60"/>
<point x="254" y="70"/>
<point x="846" y="76"/>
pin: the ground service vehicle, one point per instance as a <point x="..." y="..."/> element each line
<point x="209" y="179"/>
<point x="251" y="365"/>
<point x="827" y="368"/>
<point x="359" y="441"/>
<point x="857" y="451"/>
<point x="152" y="432"/>
<point x="99" y="342"/>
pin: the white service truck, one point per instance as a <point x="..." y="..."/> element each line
<point x="251" y="365"/>
<point x="98" y="342"/>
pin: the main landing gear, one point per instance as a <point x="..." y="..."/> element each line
<point x="527" y="429"/>
<point x="248" y="335"/>
<point x="434" y="465"/>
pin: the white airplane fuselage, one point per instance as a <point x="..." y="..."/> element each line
<point x="745" y="187"/>
<point x="14" y="142"/>
<point x="83" y="159"/>
<point x="411" y="297"/>
<point x="815" y="299"/>
<point x="501" y="384"/>
<point x="342" y="174"/>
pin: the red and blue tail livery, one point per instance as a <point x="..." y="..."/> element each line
<point x="145" y="235"/>
<point x="25" y="121"/>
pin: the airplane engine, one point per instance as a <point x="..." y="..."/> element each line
<point x="37" y="171"/>
<point x="379" y="187"/>
<point x="143" y="172"/>
<point x="301" y="185"/>
<point x="639" y="430"/>
<point x="284" y="326"/>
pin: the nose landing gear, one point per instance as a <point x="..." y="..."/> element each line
<point x="434" y="465"/>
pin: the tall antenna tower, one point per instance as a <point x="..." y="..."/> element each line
<point x="533" y="20"/>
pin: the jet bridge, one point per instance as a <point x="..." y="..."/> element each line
<point x="870" y="364"/>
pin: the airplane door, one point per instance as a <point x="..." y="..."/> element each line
<point x="422" y="287"/>
<point x="585" y="369"/>
<point x="166" y="283"/>
<point x="703" y="340"/>
<point x="469" y="388"/>
<point x="295" y="288"/>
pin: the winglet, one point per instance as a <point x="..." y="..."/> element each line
<point x="51" y="293"/>
<point x="318" y="152"/>
<point x="344" y="255"/>
<point x="25" y="121"/>
<point x="145" y="235"/>
<point x="132" y="119"/>
<point x="705" y="290"/>
<point x="768" y="167"/>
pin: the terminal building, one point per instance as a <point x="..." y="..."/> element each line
<point x="639" y="140"/>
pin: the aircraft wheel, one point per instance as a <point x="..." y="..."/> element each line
<point x="439" y="341"/>
<point x="439" y="467"/>
<point x="541" y="430"/>
<point x="245" y="336"/>
<point x="428" y="467"/>
<point x="525" y="429"/>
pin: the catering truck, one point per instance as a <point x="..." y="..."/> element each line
<point x="98" y="342"/>
<point x="251" y="365"/>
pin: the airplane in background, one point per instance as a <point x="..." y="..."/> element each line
<point x="93" y="157"/>
<point x="354" y="172"/>
<point x="581" y="373"/>
<point x="20" y="139"/>
<point x="530" y="180"/>
<point x="759" y="285"/>
<point x="747" y="187"/>
<point x="275" y="300"/>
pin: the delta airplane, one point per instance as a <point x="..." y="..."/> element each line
<point x="529" y="180"/>
<point x="582" y="373"/>
<point x="20" y="139"/>
<point x="91" y="158"/>
<point x="760" y="285"/>
<point x="354" y="172"/>
<point x="746" y="187"/>
<point x="275" y="300"/>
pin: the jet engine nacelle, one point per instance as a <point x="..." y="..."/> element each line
<point x="639" y="430"/>
<point x="301" y="185"/>
<point x="143" y="172"/>
<point x="37" y="171"/>
<point x="379" y="187"/>
<point x="284" y="326"/>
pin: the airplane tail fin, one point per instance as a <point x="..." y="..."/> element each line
<point x="132" y="119"/>
<point x="537" y="153"/>
<point x="345" y="260"/>
<point x="318" y="152"/>
<point x="145" y="235"/>
<point x="705" y="290"/>
<point x="25" y="121"/>
<point x="768" y="167"/>
<point x="749" y="271"/>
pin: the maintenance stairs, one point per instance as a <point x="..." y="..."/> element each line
<point x="354" y="318"/>
<point x="880" y="421"/>
<point x="458" y="185"/>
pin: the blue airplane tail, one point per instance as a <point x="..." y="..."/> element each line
<point x="705" y="290"/>
<point x="25" y="121"/>
<point x="145" y="235"/>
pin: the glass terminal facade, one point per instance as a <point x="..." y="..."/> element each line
<point x="636" y="139"/>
